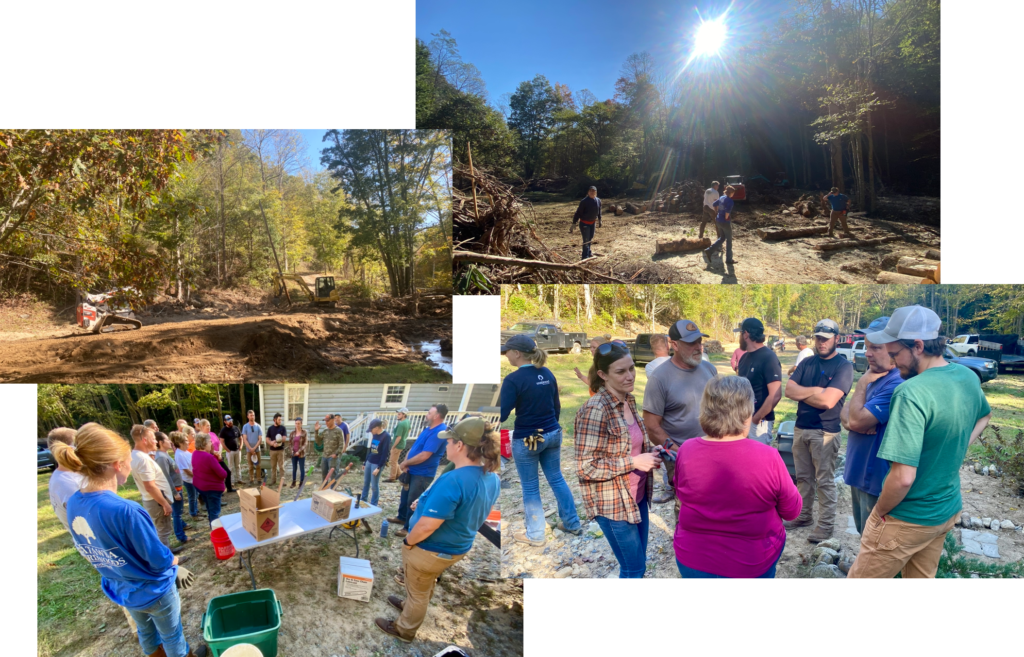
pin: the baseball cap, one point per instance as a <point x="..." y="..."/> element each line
<point x="519" y="343"/>
<point x="470" y="431"/>
<point x="908" y="323"/>
<point x="195" y="420"/>
<point x="403" y="411"/>
<point x="374" y="423"/>
<point x="752" y="325"/>
<point x="686" y="331"/>
<point x="826" y="328"/>
<point x="593" y="188"/>
<point x="227" y="418"/>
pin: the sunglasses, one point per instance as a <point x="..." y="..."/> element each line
<point x="825" y="329"/>
<point x="607" y="347"/>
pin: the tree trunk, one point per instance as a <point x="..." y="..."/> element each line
<point x="589" y="303"/>
<point x="555" y="300"/>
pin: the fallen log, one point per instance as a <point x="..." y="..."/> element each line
<point x="467" y="256"/>
<point x="933" y="254"/>
<point x="618" y="210"/>
<point x="847" y="244"/>
<point x="680" y="246"/>
<point x="917" y="267"/>
<point x="790" y="233"/>
<point x="892" y="277"/>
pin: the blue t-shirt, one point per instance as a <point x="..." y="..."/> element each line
<point x="118" y="538"/>
<point x="344" y="429"/>
<point x="837" y="201"/>
<point x="252" y="433"/>
<point x="724" y="204"/>
<point x="863" y="467"/>
<point x="379" y="448"/>
<point x="428" y="442"/>
<point x="532" y="393"/>
<point x="462" y="498"/>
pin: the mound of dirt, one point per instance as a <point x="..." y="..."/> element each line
<point x="269" y="348"/>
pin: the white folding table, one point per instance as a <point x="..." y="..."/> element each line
<point x="295" y="519"/>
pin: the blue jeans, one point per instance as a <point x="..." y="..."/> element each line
<point x="179" y="524"/>
<point x="299" y="468"/>
<point x="193" y="501"/>
<point x="629" y="542"/>
<point x="368" y="479"/>
<point x="212" y="499"/>
<point x="160" y="624"/>
<point x="588" y="236"/>
<point x="417" y="484"/>
<point x="548" y="457"/>
<point x="724" y="235"/>
<point x="691" y="573"/>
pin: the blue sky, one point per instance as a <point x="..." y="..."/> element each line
<point x="313" y="146"/>
<point x="582" y="44"/>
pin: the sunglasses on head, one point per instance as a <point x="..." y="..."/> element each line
<point x="825" y="329"/>
<point x="607" y="347"/>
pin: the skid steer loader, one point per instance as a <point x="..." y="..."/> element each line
<point x="99" y="311"/>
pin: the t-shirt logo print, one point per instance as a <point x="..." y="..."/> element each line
<point x="540" y="377"/>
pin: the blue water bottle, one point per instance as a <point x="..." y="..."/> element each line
<point x="384" y="528"/>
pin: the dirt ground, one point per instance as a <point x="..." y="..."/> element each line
<point x="223" y="340"/>
<point x="472" y="607"/>
<point x="629" y="237"/>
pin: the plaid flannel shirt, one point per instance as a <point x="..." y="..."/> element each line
<point x="603" y="460"/>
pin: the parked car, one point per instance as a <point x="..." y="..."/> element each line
<point x="44" y="459"/>
<point x="548" y="336"/>
<point x="972" y="344"/>
<point x="641" y="348"/>
<point x="986" y="368"/>
<point x="850" y="353"/>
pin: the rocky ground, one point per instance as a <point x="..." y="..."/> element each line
<point x="564" y="555"/>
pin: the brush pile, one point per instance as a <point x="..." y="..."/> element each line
<point x="807" y="206"/>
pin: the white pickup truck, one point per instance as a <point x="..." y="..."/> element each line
<point x="971" y="343"/>
<point x="851" y="353"/>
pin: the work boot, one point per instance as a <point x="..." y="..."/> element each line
<point x="667" y="496"/>
<point x="201" y="651"/>
<point x="799" y="522"/>
<point x="159" y="652"/>
<point x="819" y="535"/>
<point x="561" y="527"/>
<point x="522" y="538"/>
<point x="176" y="550"/>
<point x="401" y="533"/>
<point x="396" y="521"/>
<point x="396" y="602"/>
<point x="388" y="627"/>
<point x="706" y="256"/>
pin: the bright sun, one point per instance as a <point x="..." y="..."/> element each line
<point x="710" y="36"/>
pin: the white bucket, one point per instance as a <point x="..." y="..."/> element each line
<point x="242" y="650"/>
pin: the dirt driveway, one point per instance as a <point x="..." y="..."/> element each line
<point x="629" y="238"/>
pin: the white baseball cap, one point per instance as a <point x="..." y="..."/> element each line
<point x="908" y="323"/>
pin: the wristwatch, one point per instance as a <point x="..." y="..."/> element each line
<point x="405" y="542"/>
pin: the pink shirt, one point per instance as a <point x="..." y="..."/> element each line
<point x="636" y="478"/>
<point x="215" y="441"/>
<point x="733" y="498"/>
<point x="735" y="360"/>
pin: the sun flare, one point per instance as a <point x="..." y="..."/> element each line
<point x="710" y="36"/>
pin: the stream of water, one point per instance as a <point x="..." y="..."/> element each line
<point x="433" y="351"/>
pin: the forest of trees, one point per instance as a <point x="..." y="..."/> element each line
<point x="717" y="309"/>
<point x="118" y="407"/>
<point x="842" y="92"/>
<point x="176" y="211"/>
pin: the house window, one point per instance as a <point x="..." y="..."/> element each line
<point x="395" y="396"/>
<point x="442" y="389"/>
<point x="296" y="397"/>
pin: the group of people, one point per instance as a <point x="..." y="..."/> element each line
<point x="717" y="209"/>
<point x="910" y="420"/>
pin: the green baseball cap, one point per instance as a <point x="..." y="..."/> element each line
<point x="469" y="430"/>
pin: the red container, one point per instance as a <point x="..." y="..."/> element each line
<point x="222" y="545"/>
<point x="506" y="443"/>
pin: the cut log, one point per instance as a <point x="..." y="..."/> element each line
<point x="892" y="277"/>
<point x="917" y="267"/>
<point x="683" y="245"/>
<point x="933" y="254"/>
<point x="847" y="244"/>
<point x="633" y="209"/>
<point x="937" y="277"/>
<point x="467" y="256"/>
<point x="790" y="233"/>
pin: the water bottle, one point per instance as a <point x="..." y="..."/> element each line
<point x="384" y="528"/>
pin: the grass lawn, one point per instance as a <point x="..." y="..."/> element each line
<point x="68" y="587"/>
<point x="393" y="373"/>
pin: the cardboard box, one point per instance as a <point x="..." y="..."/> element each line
<point x="331" y="505"/>
<point x="260" y="512"/>
<point x="355" y="579"/>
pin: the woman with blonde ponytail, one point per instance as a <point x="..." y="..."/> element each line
<point x="445" y="520"/>
<point x="118" y="538"/>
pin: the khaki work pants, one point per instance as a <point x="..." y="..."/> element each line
<point x="814" y="454"/>
<point x="162" y="522"/>
<point x="276" y="464"/>
<point x="254" y="470"/>
<point x="234" y="461"/>
<point x="837" y="216"/>
<point x="395" y="453"/>
<point x="895" y="546"/>
<point x="422" y="569"/>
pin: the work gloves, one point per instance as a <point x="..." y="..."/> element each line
<point x="572" y="227"/>
<point x="185" y="579"/>
<point x="532" y="441"/>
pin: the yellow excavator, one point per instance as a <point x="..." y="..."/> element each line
<point x="324" y="292"/>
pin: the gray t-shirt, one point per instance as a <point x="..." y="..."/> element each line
<point x="674" y="394"/>
<point x="62" y="486"/>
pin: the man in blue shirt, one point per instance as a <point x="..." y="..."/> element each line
<point x="587" y="213"/>
<point x="839" y="204"/>
<point x="420" y="464"/>
<point x="723" y="223"/>
<point x="865" y="418"/>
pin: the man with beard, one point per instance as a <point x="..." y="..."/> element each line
<point x="673" y="393"/>
<point x="819" y="385"/>
<point x="936" y="414"/>
<point x="762" y="368"/>
<point x="865" y="418"/>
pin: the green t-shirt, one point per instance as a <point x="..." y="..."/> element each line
<point x="931" y="419"/>
<point x="401" y="433"/>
